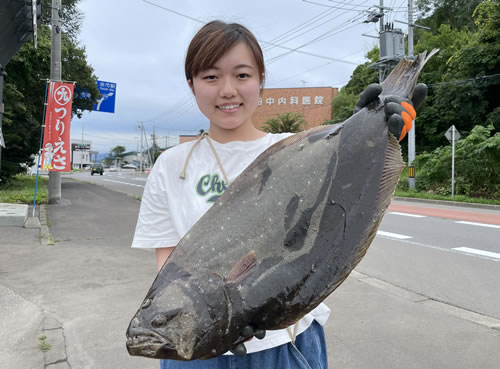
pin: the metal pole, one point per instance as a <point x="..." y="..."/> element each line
<point x="381" y="26"/>
<point x="40" y="148"/>
<point x="452" y="162"/>
<point x="54" y="187"/>
<point x="154" y="144"/>
<point x="147" y="146"/>
<point x="411" y="133"/>
<point x="142" y="152"/>
<point x="2" y="73"/>
<point x="81" y="151"/>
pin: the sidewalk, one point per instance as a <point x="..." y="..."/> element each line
<point x="82" y="291"/>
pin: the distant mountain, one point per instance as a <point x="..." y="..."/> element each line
<point x="101" y="157"/>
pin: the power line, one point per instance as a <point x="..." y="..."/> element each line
<point x="369" y="6"/>
<point x="325" y="35"/>
<point x="311" y="29"/>
<point x="336" y="7"/>
<point x="261" y="41"/>
<point x="173" y="11"/>
<point x="311" y="21"/>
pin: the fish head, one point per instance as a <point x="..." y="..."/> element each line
<point x="181" y="317"/>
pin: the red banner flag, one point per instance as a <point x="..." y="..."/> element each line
<point x="56" y="147"/>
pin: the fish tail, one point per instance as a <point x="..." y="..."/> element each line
<point x="403" y="77"/>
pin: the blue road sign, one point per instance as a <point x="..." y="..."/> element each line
<point x="106" y="103"/>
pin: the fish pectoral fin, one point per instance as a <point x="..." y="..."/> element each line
<point x="242" y="268"/>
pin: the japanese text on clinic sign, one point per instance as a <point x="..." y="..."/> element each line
<point x="56" y="137"/>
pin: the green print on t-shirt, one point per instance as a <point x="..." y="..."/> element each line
<point x="211" y="185"/>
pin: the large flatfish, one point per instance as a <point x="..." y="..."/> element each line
<point x="285" y="234"/>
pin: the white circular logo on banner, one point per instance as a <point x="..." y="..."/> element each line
<point x="62" y="95"/>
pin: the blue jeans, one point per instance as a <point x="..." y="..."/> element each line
<point x="309" y="352"/>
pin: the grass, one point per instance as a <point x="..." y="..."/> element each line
<point x="403" y="191"/>
<point x="43" y="345"/>
<point x="20" y="189"/>
<point x="457" y="198"/>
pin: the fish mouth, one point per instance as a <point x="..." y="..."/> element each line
<point x="146" y="343"/>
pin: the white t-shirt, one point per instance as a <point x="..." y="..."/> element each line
<point x="170" y="206"/>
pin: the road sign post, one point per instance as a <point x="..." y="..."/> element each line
<point x="452" y="135"/>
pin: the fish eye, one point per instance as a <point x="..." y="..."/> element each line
<point x="159" y="321"/>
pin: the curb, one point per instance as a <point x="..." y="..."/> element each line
<point x="449" y="203"/>
<point x="55" y="357"/>
<point x="45" y="236"/>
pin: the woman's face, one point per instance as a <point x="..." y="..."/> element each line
<point x="228" y="92"/>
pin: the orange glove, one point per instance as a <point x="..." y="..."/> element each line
<point x="400" y="112"/>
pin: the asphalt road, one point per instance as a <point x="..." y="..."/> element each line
<point x="445" y="257"/>
<point x="92" y="282"/>
<point x="457" y="263"/>
<point x="131" y="183"/>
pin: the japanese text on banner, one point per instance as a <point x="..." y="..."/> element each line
<point x="56" y="138"/>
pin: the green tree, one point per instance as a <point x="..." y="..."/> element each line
<point x="362" y="76"/>
<point x="117" y="150"/>
<point x="456" y="13"/>
<point x="477" y="166"/>
<point x="463" y="78"/>
<point x="342" y="107"/>
<point x="287" y="122"/>
<point x="24" y="89"/>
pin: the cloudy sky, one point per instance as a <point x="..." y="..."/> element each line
<point x="140" y="45"/>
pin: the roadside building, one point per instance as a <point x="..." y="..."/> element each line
<point x="81" y="154"/>
<point x="187" y="138"/>
<point x="313" y="103"/>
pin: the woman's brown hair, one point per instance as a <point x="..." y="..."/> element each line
<point x="215" y="39"/>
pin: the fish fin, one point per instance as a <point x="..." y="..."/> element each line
<point x="393" y="166"/>
<point x="288" y="141"/>
<point x="403" y="77"/>
<point x="242" y="268"/>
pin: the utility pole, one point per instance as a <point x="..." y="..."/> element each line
<point x="147" y="146"/>
<point x="153" y="149"/>
<point x="54" y="186"/>
<point x="81" y="151"/>
<point x="411" y="133"/>
<point x="381" y="26"/>
<point x="142" y="150"/>
<point x="2" y="74"/>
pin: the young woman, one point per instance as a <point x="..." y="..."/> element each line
<point x="225" y="70"/>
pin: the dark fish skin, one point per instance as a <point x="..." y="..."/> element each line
<point x="285" y="234"/>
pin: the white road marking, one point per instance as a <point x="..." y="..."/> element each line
<point x="407" y="215"/>
<point x="130" y="184"/>
<point x="393" y="235"/>
<point x="478" y="252"/>
<point x="478" y="224"/>
<point x="449" y="250"/>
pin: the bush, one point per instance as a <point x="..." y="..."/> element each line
<point x="477" y="166"/>
<point x="20" y="189"/>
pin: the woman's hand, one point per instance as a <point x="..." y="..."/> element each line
<point x="399" y="112"/>
<point x="249" y="332"/>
